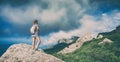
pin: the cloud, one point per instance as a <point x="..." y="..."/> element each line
<point x="19" y="16"/>
<point x="56" y="11"/>
<point x="49" y="16"/>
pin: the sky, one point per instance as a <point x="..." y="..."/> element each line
<point x="58" y="18"/>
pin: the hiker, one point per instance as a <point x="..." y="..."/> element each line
<point x="35" y="36"/>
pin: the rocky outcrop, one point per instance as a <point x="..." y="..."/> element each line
<point x="67" y="41"/>
<point x="100" y="36"/>
<point x="24" y="53"/>
<point x="77" y="44"/>
<point x="106" y="40"/>
<point x="86" y="37"/>
<point x="71" y="48"/>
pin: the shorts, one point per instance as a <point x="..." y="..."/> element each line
<point x="34" y="35"/>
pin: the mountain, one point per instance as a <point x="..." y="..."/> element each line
<point x="94" y="51"/>
<point x="24" y="53"/>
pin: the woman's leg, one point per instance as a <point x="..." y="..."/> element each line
<point x="33" y="43"/>
<point x="38" y="41"/>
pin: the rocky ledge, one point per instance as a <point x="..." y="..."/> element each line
<point x="24" y="53"/>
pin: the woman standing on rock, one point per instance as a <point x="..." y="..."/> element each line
<point x="35" y="36"/>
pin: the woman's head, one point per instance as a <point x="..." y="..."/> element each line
<point x="35" y="21"/>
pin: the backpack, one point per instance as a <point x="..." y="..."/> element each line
<point x="33" y="29"/>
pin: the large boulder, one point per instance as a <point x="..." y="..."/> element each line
<point x="71" y="48"/>
<point x="106" y="40"/>
<point x="24" y="53"/>
<point x="67" y="41"/>
<point x="100" y="36"/>
<point x="86" y="37"/>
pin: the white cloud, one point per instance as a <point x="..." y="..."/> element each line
<point x="19" y="16"/>
<point x="56" y="11"/>
<point x="50" y="16"/>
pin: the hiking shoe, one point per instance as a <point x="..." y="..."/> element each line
<point x="39" y="50"/>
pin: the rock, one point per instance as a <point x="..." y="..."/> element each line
<point x="85" y="38"/>
<point x="67" y="41"/>
<point x="71" y="48"/>
<point x="24" y="53"/>
<point x="100" y="36"/>
<point x="78" y="44"/>
<point x="106" y="40"/>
